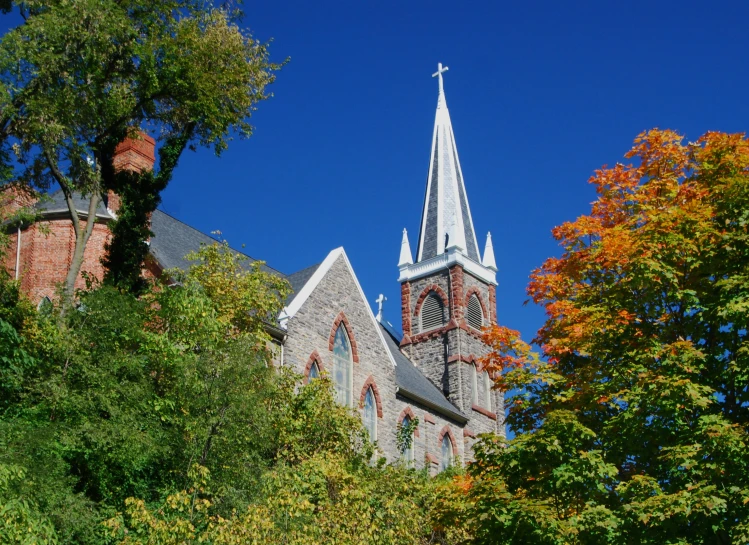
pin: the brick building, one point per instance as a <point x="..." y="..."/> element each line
<point x="429" y="373"/>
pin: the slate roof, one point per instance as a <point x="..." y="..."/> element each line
<point x="55" y="203"/>
<point x="413" y="384"/>
<point x="173" y="239"/>
<point x="299" y="279"/>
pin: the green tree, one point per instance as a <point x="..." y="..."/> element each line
<point x="634" y="427"/>
<point x="79" y="76"/>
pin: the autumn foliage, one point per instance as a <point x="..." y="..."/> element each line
<point x="636" y="415"/>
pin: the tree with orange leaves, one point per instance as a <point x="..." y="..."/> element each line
<point x="634" y="425"/>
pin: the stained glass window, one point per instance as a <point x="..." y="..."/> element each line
<point x="408" y="451"/>
<point x="314" y="371"/>
<point x="342" y="366"/>
<point x="370" y="414"/>
<point x="447" y="452"/>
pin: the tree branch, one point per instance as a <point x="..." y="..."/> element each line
<point x="65" y="186"/>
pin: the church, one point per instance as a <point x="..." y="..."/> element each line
<point x="429" y="375"/>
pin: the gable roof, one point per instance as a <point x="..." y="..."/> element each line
<point x="414" y="385"/>
<point x="173" y="239"/>
<point x="300" y="297"/>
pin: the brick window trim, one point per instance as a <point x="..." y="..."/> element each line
<point x="426" y="291"/>
<point x="473" y="290"/>
<point x="447" y="431"/>
<point x="431" y="334"/>
<point x="313" y="358"/>
<point x="341" y="319"/>
<point x="470" y="358"/>
<point x="483" y="411"/>
<point x="434" y="333"/>
<point x="493" y="303"/>
<point x="408" y="412"/>
<point x="432" y="459"/>
<point x="370" y="383"/>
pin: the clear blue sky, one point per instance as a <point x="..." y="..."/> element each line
<point x="540" y="94"/>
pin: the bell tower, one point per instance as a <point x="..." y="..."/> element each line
<point x="448" y="292"/>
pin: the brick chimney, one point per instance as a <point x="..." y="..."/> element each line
<point x="134" y="154"/>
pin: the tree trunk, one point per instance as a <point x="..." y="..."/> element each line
<point x="82" y="236"/>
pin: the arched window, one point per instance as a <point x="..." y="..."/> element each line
<point x="487" y="390"/>
<point x="408" y="450"/>
<point x="474" y="385"/>
<point x="447" y="452"/>
<point x="474" y="313"/>
<point x="370" y="414"/>
<point x="314" y="372"/>
<point x="432" y="312"/>
<point x="342" y="366"/>
<point x="45" y="306"/>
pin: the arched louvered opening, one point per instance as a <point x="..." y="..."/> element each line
<point x="432" y="312"/>
<point x="474" y="313"/>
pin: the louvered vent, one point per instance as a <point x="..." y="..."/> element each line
<point x="474" y="315"/>
<point x="432" y="313"/>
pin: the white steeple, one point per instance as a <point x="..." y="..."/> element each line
<point x="447" y="237"/>
<point x="489" y="262"/>
<point x="446" y="218"/>
<point x="405" y="258"/>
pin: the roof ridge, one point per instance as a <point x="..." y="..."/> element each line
<point x="217" y="240"/>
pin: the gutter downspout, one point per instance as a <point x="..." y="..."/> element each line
<point x="18" y="250"/>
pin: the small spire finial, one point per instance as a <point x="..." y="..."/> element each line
<point x="489" y="262"/>
<point x="380" y="300"/>
<point x="438" y="74"/>
<point x="405" y="258"/>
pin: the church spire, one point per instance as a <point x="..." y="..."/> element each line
<point x="446" y="218"/>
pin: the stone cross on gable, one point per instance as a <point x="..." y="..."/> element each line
<point x="438" y="74"/>
<point x="380" y="300"/>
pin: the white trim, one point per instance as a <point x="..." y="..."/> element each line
<point x="289" y="311"/>
<point x="442" y="261"/>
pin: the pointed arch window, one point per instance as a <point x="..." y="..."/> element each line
<point x="446" y="459"/>
<point x="432" y="312"/>
<point x="474" y="385"/>
<point x="370" y="414"/>
<point x="474" y="313"/>
<point x="487" y="384"/>
<point x="314" y="371"/>
<point x="408" y="451"/>
<point x="342" y="363"/>
<point x="45" y="306"/>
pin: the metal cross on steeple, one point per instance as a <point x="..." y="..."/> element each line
<point x="438" y="74"/>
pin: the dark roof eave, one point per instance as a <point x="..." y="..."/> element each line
<point x="65" y="214"/>
<point x="276" y="332"/>
<point x="457" y="417"/>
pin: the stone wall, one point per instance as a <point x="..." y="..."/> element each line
<point x="309" y="333"/>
